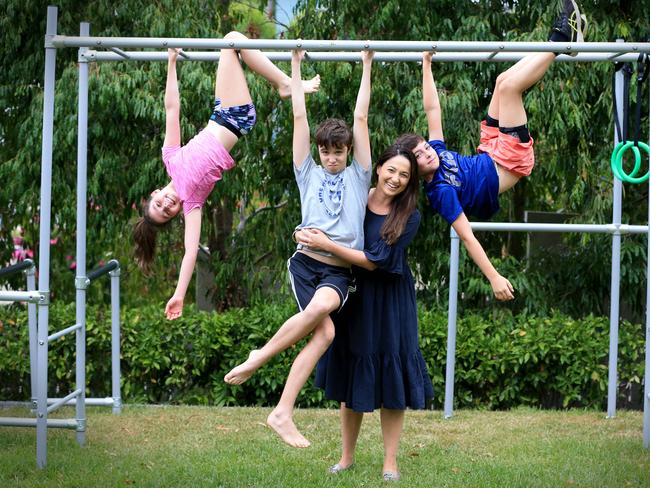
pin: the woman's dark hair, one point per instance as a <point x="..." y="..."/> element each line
<point x="409" y="141"/>
<point x="145" y="231"/>
<point x="403" y="204"/>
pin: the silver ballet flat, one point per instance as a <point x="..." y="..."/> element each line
<point x="337" y="468"/>
<point x="391" y="476"/>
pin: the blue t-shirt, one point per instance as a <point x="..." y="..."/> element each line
<point x="467" y="184"/>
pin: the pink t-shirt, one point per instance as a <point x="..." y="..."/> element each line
<point x="196" y="167"/>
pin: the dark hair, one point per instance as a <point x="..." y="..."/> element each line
<point x="333" y="133"/>
<point x="409" y="141"/>
<point x="145" y="231"/>
<point x="403" y="204"/>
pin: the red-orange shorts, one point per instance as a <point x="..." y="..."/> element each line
<point x="506" y="150"/>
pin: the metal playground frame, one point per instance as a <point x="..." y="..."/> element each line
<point x="97" y="49"/>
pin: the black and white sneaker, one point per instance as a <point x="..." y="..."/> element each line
<point x="570" y="25"/>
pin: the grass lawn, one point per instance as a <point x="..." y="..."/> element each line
<point x="232" y="447"/>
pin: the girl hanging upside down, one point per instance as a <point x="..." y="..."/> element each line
<point x="195" y="167"/>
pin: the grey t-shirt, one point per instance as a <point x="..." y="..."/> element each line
<point x="334" y="203"/>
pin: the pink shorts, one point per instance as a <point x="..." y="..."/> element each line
<point x="507" y="151"/>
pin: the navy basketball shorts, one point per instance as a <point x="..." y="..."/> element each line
<point x="308" y="275"/>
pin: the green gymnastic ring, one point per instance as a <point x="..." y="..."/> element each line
<point x="617" y="161"/>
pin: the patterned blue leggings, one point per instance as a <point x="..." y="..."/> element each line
<point x="238" y="119"/>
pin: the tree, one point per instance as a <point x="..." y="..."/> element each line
<point x="253" y="210"/>
<point x="569" y="115"/>
<point x="126" y="121"/>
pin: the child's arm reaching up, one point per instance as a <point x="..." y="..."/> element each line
<point x="300" y="122"/>
<point x="361" y="137"/>
<point x="172" y="102"/>
<point x="174" y="308"/>
<point x="430" y="101"/>
<point x="502" y="288"/>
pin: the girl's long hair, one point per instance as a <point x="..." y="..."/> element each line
<point x="403" y="204"/>
<point x="145" y="231"/>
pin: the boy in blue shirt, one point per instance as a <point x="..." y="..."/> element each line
<point x="458" y="186"/>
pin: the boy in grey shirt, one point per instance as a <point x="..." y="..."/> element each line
<point x="333" y="199"/>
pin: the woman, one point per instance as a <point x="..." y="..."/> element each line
<point x="375" y="360"/>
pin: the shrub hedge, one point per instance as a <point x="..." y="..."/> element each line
<point x="501" y="362"/>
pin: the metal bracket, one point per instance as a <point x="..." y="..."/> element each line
<point x="81" y="58"/>
<point x="44" y="297"/>
<point x="116" y="272"/>
<point x="89" y="55"/>
<point x="81" y="282"/>
<point x="117" y="404"/>
<point x="49" y="41"/>
<point x="81" y="425"/>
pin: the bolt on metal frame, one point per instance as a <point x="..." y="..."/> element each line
<point x="318" y="50"/>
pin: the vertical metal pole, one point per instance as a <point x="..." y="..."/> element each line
<point x="44" y="237"/>
<point x="612" y="382"/>
<point x="646" y="375"/>
<point x="451" y="324"/>
<point x="646" y="392"/>
<point x="115" y="340"/>
<point x="33" y="331"/>
<point x="80" y="280"/>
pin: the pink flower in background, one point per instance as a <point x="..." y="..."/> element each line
<point x="19" y="253"/>
<point x="54" y="242"/>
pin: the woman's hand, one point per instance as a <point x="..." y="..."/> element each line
<point x="313" y="239"/>
<point x="174" y="308"/>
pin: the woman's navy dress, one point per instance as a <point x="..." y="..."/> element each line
<point x="375" y="360"/>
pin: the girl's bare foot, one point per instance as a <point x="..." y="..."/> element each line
<point x="245" y="370"/>
<point x="283" y="425"/>
<point x="309" y="86"/>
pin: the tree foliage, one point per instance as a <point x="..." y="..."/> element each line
<point x="251" y="213"/>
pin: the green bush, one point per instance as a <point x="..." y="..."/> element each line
<point x="502" y="361"/>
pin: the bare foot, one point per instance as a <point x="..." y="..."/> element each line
<point x="309" y="86"/>
<point x="245" y="370"/>
<point x="283" y="425"/>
